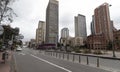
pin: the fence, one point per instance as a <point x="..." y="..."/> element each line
<point x="98" y="61"/>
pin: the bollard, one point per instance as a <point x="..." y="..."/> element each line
<point x="68" y="56"/>
<point x="63" y="55"/>
<point x="48" y="53"/>
<point x="59" y="55"/>
<point x="51" y="53"/>
<point x="45" y="52"/>
<point x="97" y="61"/>
<point x="56" y="54"/>
<point x="73" y="57"/>
<point x="87" y="60"/>
<point x="79" y="59"/>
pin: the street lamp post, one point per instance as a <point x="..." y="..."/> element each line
<point x="113" y="48"/>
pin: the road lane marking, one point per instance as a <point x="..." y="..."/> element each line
<point x="51" y="63"/>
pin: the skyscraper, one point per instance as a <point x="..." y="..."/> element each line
<point x="93" y="25"/>
<point x="102" y="28"/>
<point x="80" y="26"/>
<point x="40" y="32"/>
<point x="52" y="27"/>
<point x="65" y="33"/>
<point x="102" y="22"/>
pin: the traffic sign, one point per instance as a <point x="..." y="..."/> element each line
<point x="10" y="42"/>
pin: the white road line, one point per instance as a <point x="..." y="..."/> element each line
<point x="51" y="63"/>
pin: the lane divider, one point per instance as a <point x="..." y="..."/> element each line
<point x="51" y="63"/>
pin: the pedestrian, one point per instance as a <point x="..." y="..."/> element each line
<point x="5" y="56"/>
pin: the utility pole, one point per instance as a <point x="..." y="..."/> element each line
<point x="113" y="48"/>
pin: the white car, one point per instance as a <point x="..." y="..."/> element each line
<point x="19" y="48"/>
<point x="24" y="46"/>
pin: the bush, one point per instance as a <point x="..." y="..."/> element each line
<point x="78" y="51"/>
<point x="97" y="52"/>
<point x="86" y="51"/>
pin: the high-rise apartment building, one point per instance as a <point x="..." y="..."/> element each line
<point x="40" y="32"/>
<point x="64" y="33"/>
<point x="102" y="28"/>
<point x="93" y="25"/>
<point x="102" y="22"/>
<point x="80" y="26"/>
<point x="52" y="27"/>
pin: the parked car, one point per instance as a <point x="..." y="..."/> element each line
<point x="19" y="48"/>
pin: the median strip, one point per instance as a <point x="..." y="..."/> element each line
<point x="51" y="63"/>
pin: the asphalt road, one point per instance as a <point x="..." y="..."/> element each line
<point x="33" y="61"/>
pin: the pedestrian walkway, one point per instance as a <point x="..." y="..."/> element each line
<point x="110" y="54"/>
<point x="5" y="67"/>
<point x="106" y="54"/>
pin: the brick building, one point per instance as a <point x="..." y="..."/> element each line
<point x="96" y="42"/>
<point x="117" y="39"/>
<point x="102" y="28"/>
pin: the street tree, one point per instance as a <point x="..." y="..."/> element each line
<point x="9" y="32"/>
<point x="6" y="12"/>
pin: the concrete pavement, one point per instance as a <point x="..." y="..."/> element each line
<point x="110" y="54"/>
<point x="7" y="66"/>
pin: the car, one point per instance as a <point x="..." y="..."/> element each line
<point x="19" y="48"/>
<point x="24" y="46"/>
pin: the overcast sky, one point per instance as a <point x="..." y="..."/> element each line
<point x="31" y="11"/>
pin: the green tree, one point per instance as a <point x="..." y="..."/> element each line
<point x="6" y="12"/>
<point x="9" y="33"/>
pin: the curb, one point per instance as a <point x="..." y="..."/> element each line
<point x="13" y="64"/>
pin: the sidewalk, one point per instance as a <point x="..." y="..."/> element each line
<point x="5" y="67"/>
<point x="110" y="54"/>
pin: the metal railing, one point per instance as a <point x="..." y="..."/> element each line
<point x="109" y="62"/>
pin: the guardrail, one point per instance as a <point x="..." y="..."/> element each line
<point x="109" y="62"/>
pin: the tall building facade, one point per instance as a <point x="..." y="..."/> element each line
<point x="102" y="22"/>
<point x="102" y="28"/>
<point x="80" y="26"/>
<point x="40" y="32"/>
<point x="93" y="25"/>
<point x="64" y="33"/>
<point x="52" y="27"/>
